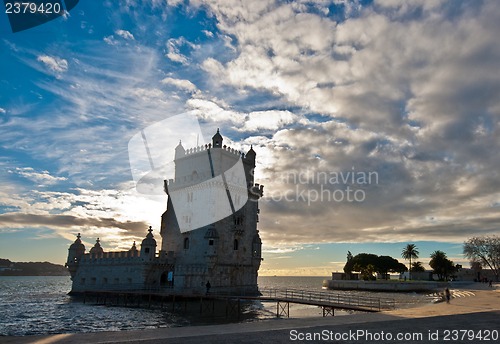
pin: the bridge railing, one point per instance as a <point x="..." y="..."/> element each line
<point x="373" y="303"/>
<point x="289" y="294"/>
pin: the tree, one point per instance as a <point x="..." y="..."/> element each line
<point x="348" y="267"/>
<point x="361" y="260"/>
<point x="476" y="265"/>
<point x="409" y="252"/>
<point x="368" y="263"/>
<point x="386" y="264"/>
<point x="441" y="265"/>
<point x="417" y="267"/>
<point x="486" y="250"/>
<point x="366" y="271"/>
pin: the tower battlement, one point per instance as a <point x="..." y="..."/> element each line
<point x="208" y="146"/>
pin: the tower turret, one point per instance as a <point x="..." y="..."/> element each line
<point x="250" y="156"/>
<point x="179" y="151"/>
<point x="133" y="250"/>
<point x="217" y="140"/>
<point x="97" y="250"/>
<point x="148" y="246"/>
<point x="75" y="252"/>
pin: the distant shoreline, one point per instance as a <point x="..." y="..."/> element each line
<point x="2" y="274"/>
<point x="9" y="268"/>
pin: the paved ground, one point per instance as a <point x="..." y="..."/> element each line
<point x="474" y="317"/>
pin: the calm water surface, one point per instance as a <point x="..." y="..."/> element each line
<point x="40" y="305"/>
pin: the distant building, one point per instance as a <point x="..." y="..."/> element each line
<point x="465" y="274"/>
<point x="225" y="252"/>
<point x="417" y="276"/>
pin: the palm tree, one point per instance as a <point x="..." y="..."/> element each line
<point x="441" y="265"/>
<point x="409" y="252"/>
<point x="417" y="267"/>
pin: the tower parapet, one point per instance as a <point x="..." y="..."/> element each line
<point x="194" y="150"/>
<point x="119" y="270"/>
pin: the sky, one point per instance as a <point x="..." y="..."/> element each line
<point x="375" y="123"/>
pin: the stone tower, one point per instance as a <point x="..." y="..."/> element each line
<point x="209" y="230"/>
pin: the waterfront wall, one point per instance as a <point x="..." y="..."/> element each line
<point x="389" y="286"/>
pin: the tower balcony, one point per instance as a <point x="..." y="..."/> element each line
<point x="256" y="190"/>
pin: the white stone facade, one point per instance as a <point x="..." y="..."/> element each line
<point x="212" y="182"/>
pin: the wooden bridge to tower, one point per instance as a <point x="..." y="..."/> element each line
<point x="328" y="301"/>
<point x="232" y="304"/>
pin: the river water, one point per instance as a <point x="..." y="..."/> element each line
<point x="40" y="305"/>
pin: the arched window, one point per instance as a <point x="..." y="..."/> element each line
<point x="186" y="243"/>
<point x="235" y="244"/>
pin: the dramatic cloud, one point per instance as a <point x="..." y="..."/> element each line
<point x="116" y="216"/>
<point x="42" y="177"/>
<point x="211" y="111"/>
<point x="65" y="221"/>
<point x="95" y="98"/>
<point x="173" y="49"/>
<point x="412" y="91"/>
<point x="110" y="40"/>
<point x="54" y="64"/>
<point x="269" y="120"/>
<point x="125" y="34"/>
<point x="208" y="33"/>
<point x="374" y="70"/>
<point x="179" y="83"/>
